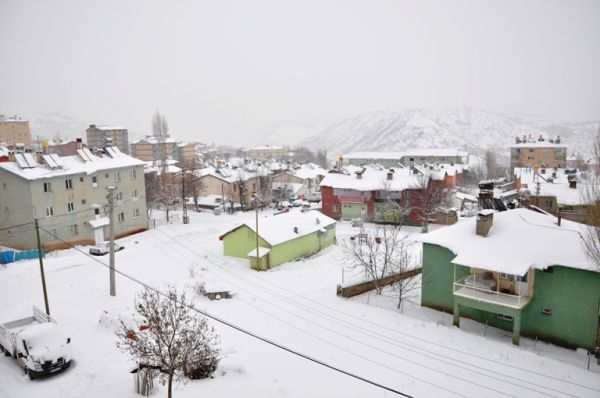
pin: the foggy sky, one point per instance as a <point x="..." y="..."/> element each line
<point x="220" y="69"/>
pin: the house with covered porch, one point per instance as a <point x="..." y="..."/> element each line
<point x="517" y="270"/>
<point x="281" y="238"/>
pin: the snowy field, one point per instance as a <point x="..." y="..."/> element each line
<point x="417" y="352"/>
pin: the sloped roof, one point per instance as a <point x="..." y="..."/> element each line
<point x="518" y="240"/>
<point x="280" y="228"/>
<point x="559" y="187"/>
<point x="73" y="165"/>
<point x="373" y="179"/>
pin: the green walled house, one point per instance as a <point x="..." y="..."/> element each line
<point x="517" y="270"/>
<point x="281" y="238"/>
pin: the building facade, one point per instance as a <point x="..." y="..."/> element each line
<point x="105" y="136"/>
<point x="265" y="152"/>
<point x="68" y="195"/>
<point x="526" y="275"/>
<point x="149" y="149"/>
<point x="529" y="152"/>
<point x="408" y="158"/>
<point x="14" y="131"/>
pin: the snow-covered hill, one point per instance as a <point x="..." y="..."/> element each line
<point x="54" y="125"/>
<point x="463" y="128"/>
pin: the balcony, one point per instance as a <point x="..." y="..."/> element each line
<point x="484" y="288"/>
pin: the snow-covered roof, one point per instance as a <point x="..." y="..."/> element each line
<point x="558" y="188"/>
<point x="108" y="127"/>
<point x="230" y="174"/>
<point x="538" y="144"/>
<point x="70" y="165"/>
<point x="4" y="151"/>
<point x="466" y="196"/>
<point x="373" y="179"/>
<point x="411" y="152"/>
<point x="264" y="148"/>
<point x="518" y="240"/>
<point x="308" y="171"/>
<point x="294" y="187"/>
<point x="290" y="225"/>
<point x="99" y="222"/>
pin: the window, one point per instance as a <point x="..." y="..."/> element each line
<point x="133" y="174"/>
<point x="106" y="175"/>
<point x="74" y="229"/>
<point x="117" y="176"/>
<point x="80" y="179"/>
<point x="70" y="207"/>
<point x="97" y="211"/>
<point x="335" y="207"/>
<point x="47" y="187"/>
<point x="547" y="311"/>
<point x="134" y="194"/>
<point x="94" y="179"/>
<point x="136" y="213"/>
<point x="120" y="196"/>
<point x="504" y="317"/>
<point x="3" y="185"/>
<point x="69" y="184"/>
<point x="49" y="211"/>
<point x="121" y="217"/>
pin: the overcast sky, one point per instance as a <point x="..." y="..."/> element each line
<point x="220" y="69"/>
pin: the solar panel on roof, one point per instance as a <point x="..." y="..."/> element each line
<point x="30" y="160"/>
<point x="110" y="151"/>
<point x="83" y="155"/>
<point x="50" y="161"/>
<point x="88" y="153"/>
<point x="56" y="159"/>
<point x="21" y="161"/>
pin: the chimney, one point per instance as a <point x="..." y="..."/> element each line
<point x="485" y="219"/>
<point x="390" y="174"/>
<point x="518" y="140"/>
<point x="557" y="139"/>
<point x="559" y="215"/>
<point x="79" y="143"/>
<point x="572" y="181"/>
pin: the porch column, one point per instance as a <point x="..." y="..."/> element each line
<point x="456" y="320"/>
<point x="516" y="328"/>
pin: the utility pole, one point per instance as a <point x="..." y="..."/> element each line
<point x="39" y="246"/>
<point x="183" y="201"/>
<point x="111" y="246"/>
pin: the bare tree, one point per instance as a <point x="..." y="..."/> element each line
<point x="379" y="253"/>
<point x="591" y="192"/>
<point x="321" y="158"/>
<point x="430" y="195"/>
<point x="194" y="186"/>
<point x="174" y="340"/>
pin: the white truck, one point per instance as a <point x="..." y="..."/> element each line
<point x="37" y="343"/>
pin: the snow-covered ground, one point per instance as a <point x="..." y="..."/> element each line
<point x="417" y="352"/>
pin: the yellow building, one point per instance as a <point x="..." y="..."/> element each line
<point x="13" y="131"/>
<point x="541" y="152"/>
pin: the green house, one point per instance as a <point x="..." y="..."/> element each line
<point x="281" y="238"/>
<point x="517" y="270"/>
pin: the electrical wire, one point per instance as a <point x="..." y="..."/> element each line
<point x="396" y="343"/>
<point x="238" y="328"/>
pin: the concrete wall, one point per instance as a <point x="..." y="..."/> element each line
<point x="572" y="295"/>
<point x="15" y="132"/>
<point x="22" y="199"/>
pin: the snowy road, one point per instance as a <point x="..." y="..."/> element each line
<point x="418" y="352"/>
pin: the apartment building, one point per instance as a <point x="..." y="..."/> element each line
<point x="105" y="136"/>
<point x="265" y="152"/>
<point x="542" y="152"/>
<point x="149" y="149"/>
<point x="409" y="157"/>
<point x="69" y="197"/>
<point x="14" y="130"/>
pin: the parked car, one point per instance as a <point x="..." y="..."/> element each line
<point x="103" y="248"/>
<point x="36" y="343"/>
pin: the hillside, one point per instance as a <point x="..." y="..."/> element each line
<point x="463" y="128"/>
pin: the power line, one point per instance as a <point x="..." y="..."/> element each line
<point x="390" y="340"/>
<point x="16" y="226"/>
<point x="329" y="317"/>
<point x="239" y="329"/>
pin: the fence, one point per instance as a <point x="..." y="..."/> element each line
<point x="9" y="256"/>
<point x="363" y="287"/>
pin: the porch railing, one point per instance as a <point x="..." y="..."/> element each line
<point x="481" y="289"/>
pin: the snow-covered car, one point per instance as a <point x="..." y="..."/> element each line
<point x="103" y="248"/>
<point x="36" y="343"/>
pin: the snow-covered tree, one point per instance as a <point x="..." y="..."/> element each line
<point x="174" y="340"/>
<point x="591" y="192"/>
<point x="379" y="253"/>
